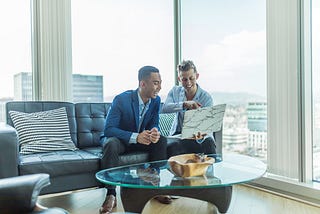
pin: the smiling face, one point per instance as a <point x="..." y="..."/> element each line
<point x="150" y="87"/>
<point x="188" y="79"/>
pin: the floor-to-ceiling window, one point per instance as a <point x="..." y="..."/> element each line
<point x="15" y="52"/>
<point x="112" y="39"/>
<point x="316" y="87"/>
<point x="227" y="42"/>
<point x="225" y="39"/>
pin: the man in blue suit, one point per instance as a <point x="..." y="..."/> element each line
<point x="132" y="124"/>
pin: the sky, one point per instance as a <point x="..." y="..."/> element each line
<point x="225" y="39"/>
<point x="220" y="50"/>
<point x="123" y="38"/>
<point x="15" y="53"/>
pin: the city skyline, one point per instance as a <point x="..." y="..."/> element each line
<point x="233" y="98"/>
<point x="85" y="88"/>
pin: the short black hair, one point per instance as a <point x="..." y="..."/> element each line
<point x="146" y="71"/>
<point x="186" y="65"/>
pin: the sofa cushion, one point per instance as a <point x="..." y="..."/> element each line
<point x="165" y="123"/>
<point x="43" y="131"/>
<point x="59" y="163"/>
<point x="36" y="106"/>
<point x="133" y="158"/>
<point x="124" y="159"/>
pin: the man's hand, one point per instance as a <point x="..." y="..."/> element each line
<point x="199" y="136"/>
<point x="154" y="135"/>
<point x="149" y="136"/>
<point x="144" y="137"/>
<point x="190" y="104"/>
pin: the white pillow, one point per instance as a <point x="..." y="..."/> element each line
<point x="44" y="131"/>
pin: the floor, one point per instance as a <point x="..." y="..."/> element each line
<point x="245" y="200"/>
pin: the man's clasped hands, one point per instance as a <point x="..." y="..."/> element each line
<point x="149" y="136"/>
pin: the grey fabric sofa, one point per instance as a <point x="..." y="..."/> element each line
<point x="68" y="170"/>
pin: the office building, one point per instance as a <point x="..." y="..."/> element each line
<point x="257" y="125"/>
<point x="23" y="86"/>
<point x="86" y="88"/>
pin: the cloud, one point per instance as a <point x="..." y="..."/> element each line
<point x="235" y="53"/>
<point x="236" y="63"/>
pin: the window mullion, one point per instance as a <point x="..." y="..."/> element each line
<point x="283" y="93"/>
<point x="305" y="166"/>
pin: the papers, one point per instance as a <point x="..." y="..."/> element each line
<point x="204" y="120"/>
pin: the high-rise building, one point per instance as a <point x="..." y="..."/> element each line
<point x="257" y="125"/>
<point x="86" y="88"/>
<point x="235" y="129"/>
<point x="235" y="139"/>
<point x="23" y="86"/>
<point x="257" y="116"/>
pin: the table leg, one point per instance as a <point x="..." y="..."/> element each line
<point x="134" y="200"/>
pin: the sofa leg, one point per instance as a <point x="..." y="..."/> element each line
<point x="39" y="207"/>
<point x="56" y="210"/>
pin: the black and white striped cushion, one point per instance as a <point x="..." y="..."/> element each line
<point x="44" y="131"/>
<point x="165" y="123"/>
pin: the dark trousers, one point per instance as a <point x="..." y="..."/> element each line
<point x="185" y="146"/>
<point x="113" y="147"/>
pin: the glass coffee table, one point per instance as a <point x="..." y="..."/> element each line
<point x="141" y="182"/>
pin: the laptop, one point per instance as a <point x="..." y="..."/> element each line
<point x="204" y="120"/>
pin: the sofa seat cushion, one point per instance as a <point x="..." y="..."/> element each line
<point x="133" y="157"/>
<point x="95" y="150"/>
<point x="125" y="159"/>
<point x="59" y="163"/>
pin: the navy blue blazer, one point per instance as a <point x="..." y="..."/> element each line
<point x="123" y="116"/>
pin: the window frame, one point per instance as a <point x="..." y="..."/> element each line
<point x="288" y="28"/>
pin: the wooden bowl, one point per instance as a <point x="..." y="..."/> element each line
<point x="189" y="165"/>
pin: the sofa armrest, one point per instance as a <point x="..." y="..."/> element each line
<point x="20" y="194"/>
<point x="9" y="151"/>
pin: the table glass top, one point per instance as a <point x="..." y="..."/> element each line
<point x="233" y="169"/>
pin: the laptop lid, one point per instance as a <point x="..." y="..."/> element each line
<point x="204" y="120"/>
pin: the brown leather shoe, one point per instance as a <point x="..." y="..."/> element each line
<point x="109" y="203"/>
<point x="164" y="199"/>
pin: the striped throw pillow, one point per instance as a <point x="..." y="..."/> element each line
<point x="44" y="131"/>
<point x="165" y="122"/>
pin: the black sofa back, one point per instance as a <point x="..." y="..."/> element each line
<point x="90" y="120"/>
